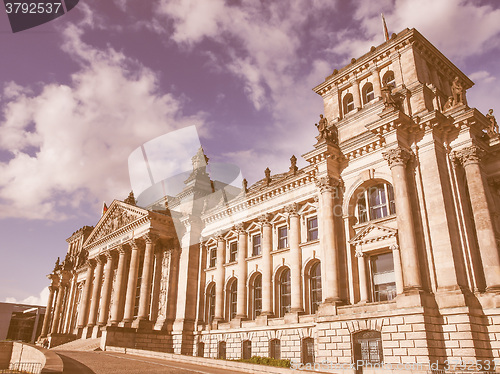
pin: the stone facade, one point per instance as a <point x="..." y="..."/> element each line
<point x="384" y="248"/>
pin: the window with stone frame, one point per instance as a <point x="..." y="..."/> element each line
<point x="256" y="250"/>
<point x="211" y="303"/>
<point x="382" y="276"/>
<point x="221" y="350"/>
<point x="275" y="349"/>
<point x="257" y="296"/>
<point x="368" y="93"/>
<point x="233" y="299"/>
<point x="201" y="349"/>
<point x="282" y="237"/>
<point x="233" y="251"/>
<point x="315" y="287"/>
<point x="213" y="257"/>
<point x="312" y="228"/>
<point x="348" y="103"/>
<point x="375" y="202"/>
<point x="307" y="350"/>
<point x="285" y="289"/>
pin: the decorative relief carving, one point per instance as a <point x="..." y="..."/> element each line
<point x="265" y="219"/>
<point x="396" y="156"/>
<point x="292" y="209"/>
<point x="117" y="219"/>
<point x="165" y="275"/>
<point x="326" y="184"/>
<point x="359" y="253"/>
<point x="469" y="155"/>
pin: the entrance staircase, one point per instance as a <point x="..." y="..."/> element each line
<point x="80" y="345"/>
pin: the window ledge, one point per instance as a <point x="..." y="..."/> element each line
<point x="310" y="242"/>
<point x="253" y="258"/>
<point x="378" y="220"/>
<point x="281" y="250"/>
<point x="230" y="263"/>
<point x="211" y="268"/>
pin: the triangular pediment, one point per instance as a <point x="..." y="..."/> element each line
<point x="118" y="216"/>
<point x="373" y="233"/>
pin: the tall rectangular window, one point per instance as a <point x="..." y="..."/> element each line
<point x="383" y="277"/>
<point x="256" y="245"/>
<point x="282" y="237"/>
<point x="312" y="228"/>
<point x="213" y="257"/>
<point x="233" y="251"/>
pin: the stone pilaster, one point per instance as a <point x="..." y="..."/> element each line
<point x="470" y="159"/>
<point x="363" y="285"/>
<point x="119" y="289"/>
<point x="83" y="312"/>
<point x="267" y="269"/>
<point x="155" y="295"/>
<point x="376" y="83"/>
<point x="356" y="95"/>
<point x="106" y="290"/>
<point x="397" y="159"/>
<point x="398" y="271"/>
<point x="328" y="241"/>
<point x="241" y="307"/>
<point x="96" y="291"/>
<point x="296" y="258"/>
<point x="219" y="280"/>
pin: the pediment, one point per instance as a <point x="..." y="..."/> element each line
<point x="373" y="233"/>
<point x="118" y="216"/>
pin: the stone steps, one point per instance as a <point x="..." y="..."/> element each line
<point x="80" y="345"/>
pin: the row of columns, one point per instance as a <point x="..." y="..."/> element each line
<point x="94" y="307"/>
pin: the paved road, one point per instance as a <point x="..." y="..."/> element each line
<point x="77" y="362"/>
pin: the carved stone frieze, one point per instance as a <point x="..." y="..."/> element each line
<point x="396" y="156"/>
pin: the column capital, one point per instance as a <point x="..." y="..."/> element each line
<point x="468" y="155"/>
<point x="219" y="237"/>
<point x="292" y="209"/>
<point x="359" y="253"/>
<point x="396" y="156"/>
<point x="265" y="219"/>
<point x="240" y="228"/>
<point x="91" y="263"/>
<point x="326" y="184"/>
<point x="150" y="238"/>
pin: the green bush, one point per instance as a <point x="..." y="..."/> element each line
<point x="267" y="361"/>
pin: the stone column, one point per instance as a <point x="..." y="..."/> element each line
<point x="147" y="278"/>
<point x="155" y="294"/>
<point x="363" y="286"/>
<point x="397" y="159"/>
<point x="295" y="258"/>
<point x="356" y="95"/>
<point x="58" y="310"/>
<point x="121" y="279"/>
<point x="96" y="291"/>
<point x="106" y="290"/>
<point x="128" y="316"/>
<point x="398" y="270"/>
<point x="241" y="306"/>
<point x="377" y="87"/>
<point x="48" y="311"/>
<point x="470" y="159"/>
<point x="83" y="312"/>
<point x="267" y="265"/>
<point x="219" y="280"/>
<point x="328" y="241"/>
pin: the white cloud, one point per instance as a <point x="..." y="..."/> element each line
<point x="69" y="144"/>
<point x="482" y="76"/>
<point x="40" y="300"/>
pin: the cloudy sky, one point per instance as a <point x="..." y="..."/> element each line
<point x="79" y="94"/>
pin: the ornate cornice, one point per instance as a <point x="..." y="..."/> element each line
<point x="468" y="156"/>
<point x="326" y="184"/>
<point x="396" y="156"/>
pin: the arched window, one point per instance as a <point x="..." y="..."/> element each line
<point x="315" y="287"/>
<point x="246" y="348"/>
<point x="368" y="94"/>
<point x="285" y="292"/>
<point x="388" y="79"/>
<point x="233" y="299"/>
<point x="211" y="303"/>
<point x="257" y="296"/>
<point x="275" y="349"/>
<point x="375" y="202"/>
<point x="348" y="103"/>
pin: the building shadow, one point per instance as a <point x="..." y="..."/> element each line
<point x="71" y="366"/>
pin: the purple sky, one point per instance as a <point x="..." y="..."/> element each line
<point x="78" y="94"/>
